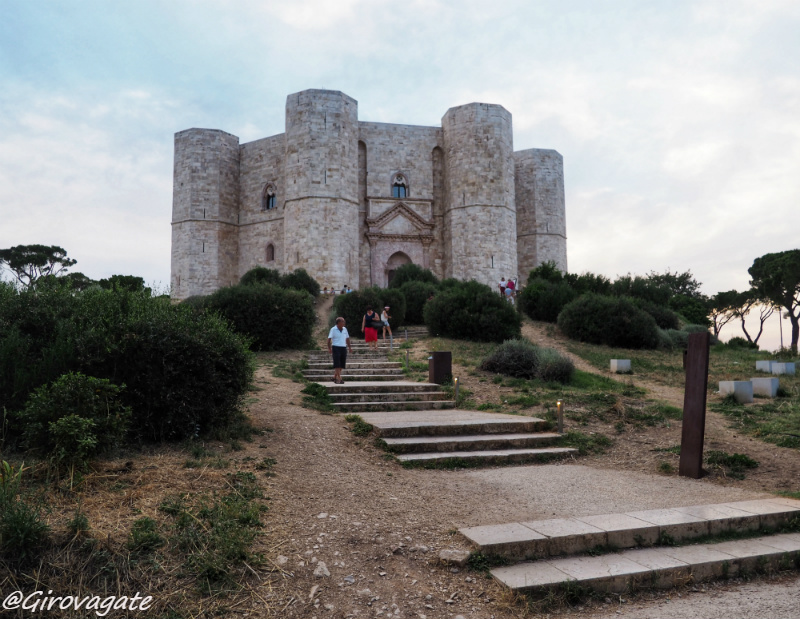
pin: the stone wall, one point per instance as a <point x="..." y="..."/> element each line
<point x="541" y="211"/>
<point x="480" y="218"/>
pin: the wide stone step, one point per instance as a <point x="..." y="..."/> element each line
<point x="494" y="456"/>
<point x="389" y="396"/>
<point x="450" y="423"/>
<point x="518" y="541"/>
<point x="351" y="365"/>
<point x="351" y="358"/>
<point x="327" y="377"/>
<point x="400" y="386"/>
<point x="470" y="442"/>
<point x="352" y="371"/>
<point x="396" y="405"/>
<point x="660" y="567"/>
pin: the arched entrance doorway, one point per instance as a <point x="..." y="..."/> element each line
<point x="396" y="260"/>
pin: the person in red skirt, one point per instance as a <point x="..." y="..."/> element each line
<point x="369" y="329"/>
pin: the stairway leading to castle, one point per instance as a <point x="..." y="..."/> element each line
<point x="417" y="421"/>
<point x="657" y="548"/>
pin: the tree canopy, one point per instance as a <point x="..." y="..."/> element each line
<point x="776" y="277"/>
<point x="29" y="263"/>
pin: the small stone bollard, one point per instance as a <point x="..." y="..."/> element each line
<point x="765" y="386"/>
<point x="620" y="366"/>
<point x="764" y="366"/>
<point x="783" y="368"/>
<point x="742" y="390"/>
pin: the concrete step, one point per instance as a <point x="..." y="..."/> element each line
<point x="389" y="396"/>
<point x="470" y="442"/>
<point x="660" y="567"/>
<point x="518" y="541"/>
<point x="351" y="371"/>
<point x="327" y="377"/>
<point x="450" y="423"/>
<point x="393" y="405"/>
<point x="494" y="456"/>
<point x="400" y="386"/>
<point x="352" y="365"/>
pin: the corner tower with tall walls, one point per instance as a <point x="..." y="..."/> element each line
<point x="541" y="211"/>
<point x="321" y="219"/>
<point x="480" y="224"/>
<point x="205" y="207"/>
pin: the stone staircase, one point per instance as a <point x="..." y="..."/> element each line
<point x="655" y="548"/>
<point x="417" y="421"/>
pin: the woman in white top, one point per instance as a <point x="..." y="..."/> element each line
<point x="385" y="318"/>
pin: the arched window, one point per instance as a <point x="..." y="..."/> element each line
<point x="270" y="252"/>
<point x="268" y="200"/>
<point x="399" y="186"/>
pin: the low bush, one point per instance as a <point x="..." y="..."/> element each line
<point x="665" y="318"/>
<point x="299" y="279"/>
<point x="73" y="419"/>
<point x="473" y="311"/>
<point x="522" y="359"/>
<point x="612" y="321"/>
<point x="186" y="372"/>
<point x="22" y="525"/>
<point x="740" y="342"/>
<point x="417" y="294"/>
<point x="544" y="299"/>
<point x="412" y="273"/>
<point x="273" y="318"/>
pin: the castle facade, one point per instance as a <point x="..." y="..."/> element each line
<point x="350" y="201"/>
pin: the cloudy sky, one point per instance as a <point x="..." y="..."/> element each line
<point x="679" y="121"/>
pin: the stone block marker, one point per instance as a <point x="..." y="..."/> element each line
<point x="620" y="366"/>
<point x="767" y="387"/>
<point x="764" y="366"/>
<point x="742" y="390"/>
<point x="783" y="368"/>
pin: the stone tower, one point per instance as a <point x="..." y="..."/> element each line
<point x="480" y="223"/>
<point x="205" y="209"/>
<point x="321" y="218"/>
<point x="541" y="212"/>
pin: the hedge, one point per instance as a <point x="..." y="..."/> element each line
<point x="608" y="320"/>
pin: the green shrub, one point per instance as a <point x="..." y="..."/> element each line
<point x="417" y="294"/>
<point x="693" y="309"/>
<point x="544" y="299"/>
<point x="412" y="273"/>
<point x="299" y="279"/>
<point x="606" y="320"/>
<point x="522" y="359"/>
<point x="740" y="342"/>
<point x="665" y="318"/>
<point x="515" y="358"/>
<point x="273" y="318"/>
<point x="353" y="306"/>
<point x="22" y="527"/>
<point x="261" y="275"/>
<point x="74" y="419"/>
<point x="472" y="311"/>
<point x="637" y="287"/>
<point x="186" y="372"/>
<point x="547" y="271"/>
<point x="589" y="282"/>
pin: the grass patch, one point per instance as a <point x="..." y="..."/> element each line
<point x="290" y="369"/>
<point x="585" y="443"/>
<point x="359" y="427"/>
<point x="488" y="406"/>
<point x="790" y="494"/>
<point x="776" y="422"/>
<point x="675" y="449"/>
<point x="317" y="397"/>
<point x="732" y="465"/>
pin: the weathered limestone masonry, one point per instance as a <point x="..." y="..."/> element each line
<point x="350" y="201"/>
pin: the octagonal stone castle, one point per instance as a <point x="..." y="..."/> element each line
<point x="350" y="201"/>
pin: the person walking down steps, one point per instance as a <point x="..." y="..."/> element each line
<point x="338" y="345"/>
<point x="385" y="318"/>
<point x="369" y="325"/>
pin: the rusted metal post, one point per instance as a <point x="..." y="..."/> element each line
<point x="694" y="406"/>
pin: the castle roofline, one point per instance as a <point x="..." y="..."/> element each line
<point x="203" y="130"/>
